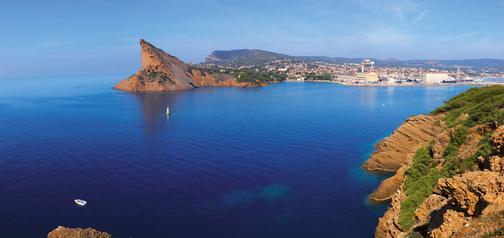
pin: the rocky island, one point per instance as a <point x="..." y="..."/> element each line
<point x="448" y="169"/>
<point x="64" y="232"/>
<point x="162" y="72"/>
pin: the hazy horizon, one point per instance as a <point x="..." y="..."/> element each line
<point x="64" y="37"/>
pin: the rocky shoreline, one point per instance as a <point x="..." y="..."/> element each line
<point x="164" y="72"/>
<point x="489" y="83"/>
<point x="64" y="232"/>
<point x="467" y="190"/>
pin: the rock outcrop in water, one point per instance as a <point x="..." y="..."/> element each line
<point x="465" y="200"/>
<point x="452" y="186"/>
<point x="63" y="232"/>
<point x="161" y="72"/>
<point x="391" y="152"/>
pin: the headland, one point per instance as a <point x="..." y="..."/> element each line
<point x="449" y="170"/>
<point x="164" y="72"/>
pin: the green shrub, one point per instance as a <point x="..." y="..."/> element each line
<point x="458" y="137"/>
<point x="482" y="105"/>
<point x="418" y="191"/>
<point x="167" y="78"/>
<point x="496" y="233"/>
<point x="153" y="75"/>
<point x="421" y="160"/>
<point x="418" y="185"/>
<point x="414" y="234"/>
<point x="484" y="150"/>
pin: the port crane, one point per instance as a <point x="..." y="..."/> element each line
<point x="367" y="62"/>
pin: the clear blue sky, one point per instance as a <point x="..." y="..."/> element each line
<point x="74" y="37"/>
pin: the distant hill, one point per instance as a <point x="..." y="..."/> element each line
<point x="259" y="57"/>
<point x="244" y="57"/>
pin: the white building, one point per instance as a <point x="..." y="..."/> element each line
<point x="434" y="78"/>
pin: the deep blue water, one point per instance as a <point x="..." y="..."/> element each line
<point x="277" y="161"/>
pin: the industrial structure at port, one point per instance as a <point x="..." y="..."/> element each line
<point x="359" y="72"/>
<point x="368" y="76"/>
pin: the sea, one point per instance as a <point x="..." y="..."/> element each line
<point x="277" y="161"/>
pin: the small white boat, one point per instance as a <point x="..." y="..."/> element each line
<point x="80" y="202"/>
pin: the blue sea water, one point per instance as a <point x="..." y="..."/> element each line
<point x="276" y="161"/>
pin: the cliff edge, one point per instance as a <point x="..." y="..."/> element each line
<point x="391" y="152"/>
<point x="452" y="186"/>
<point x="162" y="72"/>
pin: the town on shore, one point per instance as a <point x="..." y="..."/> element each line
<point x="367" y="74"/>
<point x="253" y="68"/>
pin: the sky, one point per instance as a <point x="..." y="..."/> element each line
<point x="86" y="37"/>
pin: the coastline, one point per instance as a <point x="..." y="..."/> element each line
<point x="486" y="83"/>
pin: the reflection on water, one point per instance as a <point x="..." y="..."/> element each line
<point x="277" y="161"/>
<point x="369" y="96"/>
<point x="154" y="106"/>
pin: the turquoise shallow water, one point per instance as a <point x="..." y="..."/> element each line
<point x="277" y="161"/>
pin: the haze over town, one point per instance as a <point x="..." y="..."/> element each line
<point x="62" y="37"/>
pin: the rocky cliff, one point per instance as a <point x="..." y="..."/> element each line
<point x="467" y="199"/>
<point x="63" y="232"/>
<point x="221" y="80"/>
<point x="391" y="152"/>
<point x="453" y="185"/>
<point x="161" y="72"/>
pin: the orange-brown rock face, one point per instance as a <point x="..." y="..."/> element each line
<point x="470" y="204"/>
<point x="395" y="152"/>
<point x="388" y="187"/>
<point x="473" y="191"/>
<point x="220" y="80"/>
<point x="497" y="140"/>
<point x="63" y="232"/>
<point x="160" y="72"/>
<point x="392" y="151"/>
<point x="388" y="225"/>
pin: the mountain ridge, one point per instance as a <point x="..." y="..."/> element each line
<point x="255" y="56"/>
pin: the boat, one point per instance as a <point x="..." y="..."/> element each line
<point x="80" y="202"/>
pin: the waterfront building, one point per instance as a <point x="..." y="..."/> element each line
<point x="367" y="77"/>
<point x="434" y="78"/>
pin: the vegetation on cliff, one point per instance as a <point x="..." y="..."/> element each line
<point x="156" y="76"/>
<point x="466" y="145"/>
<point x="424" y="174"/>
<point x="481" y="104"/>
<point x="418" y="185"/>
<point x="244" y="75"/>
<point x="160" y="71"/>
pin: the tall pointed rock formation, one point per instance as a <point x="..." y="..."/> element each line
<point x="160" y="72"/>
